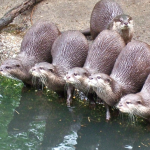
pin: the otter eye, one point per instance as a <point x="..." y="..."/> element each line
<point x="98" y="77"/>
<point x="75" y="74"/>
<point x="127" y="102"/>
<point x="7" y="67"/>
<point x="51" y="70"/>
<point x="17" y="65"/>
<point x="129" y="19"/>
<point x="85" y="74"/>
<point x="41" y="68"/>
<point x="108" y="81"/>
<point x="139" y="102"/>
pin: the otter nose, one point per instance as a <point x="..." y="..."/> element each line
<point x="67" y="77"/>
<point x="90" y="78"/>
<point x="120" y="105"/>
<point x="126" y="23"/>
<point x="33" y="69"/>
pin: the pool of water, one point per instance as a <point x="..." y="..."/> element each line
<point x="38" y="120"/>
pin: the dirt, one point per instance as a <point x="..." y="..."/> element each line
<point x="67" y="15"/>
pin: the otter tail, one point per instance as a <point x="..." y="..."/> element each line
<point x="86" y="32"/>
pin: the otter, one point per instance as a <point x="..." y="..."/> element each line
<point x="137" y="104"/>
<point x="35" y="47"/>
<point x="128" y="75"/>
<point x="101" y="58"/>
<point x="108" y="14"/>
<point x="123" y="24"/>
<point x="68" y="51"/>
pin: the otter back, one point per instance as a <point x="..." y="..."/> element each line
<point x="102" y="14"/>
<point x="38" y="41"/>
<point x="132" y="66"/>
<point x="104" y="51"/>
<point x="69" y="50"/>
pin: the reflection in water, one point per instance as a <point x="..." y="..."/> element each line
<point x="70" y="140"/>
<point x="37" y="120"/>
<point x="51" y="124"/>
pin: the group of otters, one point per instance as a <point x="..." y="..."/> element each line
<point x="114" y="66"/>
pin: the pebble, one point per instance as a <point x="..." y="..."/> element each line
<point x="9" y="46"/>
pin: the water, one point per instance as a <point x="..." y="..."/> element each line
<point x="39" y="120"/>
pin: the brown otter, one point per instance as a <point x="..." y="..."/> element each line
<point x="128" y="75"/>
<point x="108" y="14"/>
<point x="123" y="24"/>
<point x="137" y="104"/>
<point x="69" y="50"/>
<point x="35" y="47"/>
<point x="101" y="58"/>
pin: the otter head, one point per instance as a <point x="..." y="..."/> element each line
<point x="76" y="75"/>
<point x="135" y="105"/>
<point x="44" y="71"/>
<point x="14" y="68"/>
<point x="105" y="87"/>
<point x="122" y="22"/>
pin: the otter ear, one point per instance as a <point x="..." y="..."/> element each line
<point x="75" y="74"/>
<point x="51" y="70"/>
<point x="138" y="101"/>
<point x="41" y="68"/>
<point x="17" y="66"/>
<point x="86" y="74"/>
<point x="108" y="81"/>
<point x="128" y="102"/>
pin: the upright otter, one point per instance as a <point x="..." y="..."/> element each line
<point x="35" y="47"/>
<point x="108" y="14"/>
<point x="128" y="75"/>
<point x="69" y="50"/>
<point x="137" y="104"/>
<point x="101" y="58"/>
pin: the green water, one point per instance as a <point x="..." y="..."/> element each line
<point x="38" y="120"/>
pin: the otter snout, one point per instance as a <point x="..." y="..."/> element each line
<point x="67" y="77"/>
<point x="5" y="68"/>
<point x="119" y="105"/>
<point x="34" y="72"/>
<point x="126" y="23"/>
<point x="32" y="69"/>
<point x="90" y="78"/>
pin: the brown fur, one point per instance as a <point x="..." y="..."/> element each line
<point x="137" y="104"/>
<point x="128" y="75"/>
<point x="35" y="47"/>
<point x="103" y="13"/>
<point x="101" y="58"/>
<point x="69" y="50"/>
<point x="107" y="14"/>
